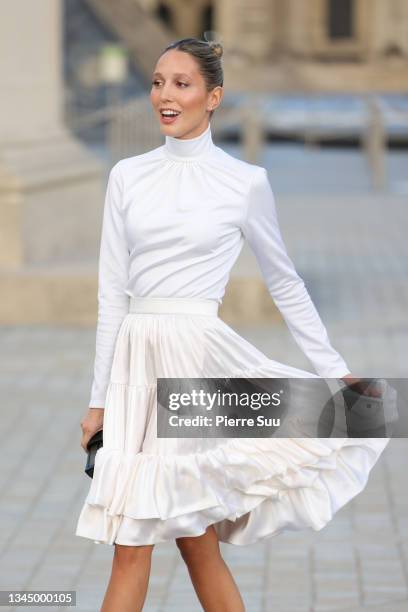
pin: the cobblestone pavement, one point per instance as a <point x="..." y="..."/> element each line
<point x="359" y="561"/>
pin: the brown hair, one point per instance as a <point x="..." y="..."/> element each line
<point x="208" y="55"/>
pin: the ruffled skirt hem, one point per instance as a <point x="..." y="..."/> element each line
<point x="147" y="490"/>
<point x="249" y="488"/>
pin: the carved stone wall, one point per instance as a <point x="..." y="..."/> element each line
<point x="293" y="44"/>
<point x="264" y="27"/>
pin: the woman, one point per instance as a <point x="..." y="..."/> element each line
<point x="175" y="219"/>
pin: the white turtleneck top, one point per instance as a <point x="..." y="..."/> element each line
<point x="174" y="222"/>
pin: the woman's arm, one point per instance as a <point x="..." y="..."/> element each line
<point x="113" y="302"/>
<point x="260" y="226"/>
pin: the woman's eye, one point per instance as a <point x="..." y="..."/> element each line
<point x="178" y="82"/>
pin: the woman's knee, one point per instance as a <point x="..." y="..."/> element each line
<point x="129" y="555"/>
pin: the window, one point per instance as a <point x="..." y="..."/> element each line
<point x="340" y="19"/>
<point x="207" y="18"/>
<point x="164" y="14"/>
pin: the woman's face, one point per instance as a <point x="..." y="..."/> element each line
<point x="178" y="85"/>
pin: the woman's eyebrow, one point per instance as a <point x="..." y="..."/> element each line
<point x="175" y="74"/>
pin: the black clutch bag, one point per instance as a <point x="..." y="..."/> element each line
<point x="95" y="442"/>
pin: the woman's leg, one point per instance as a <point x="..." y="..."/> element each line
<point x="129" y="579"/>
<point x="211" y="578"/>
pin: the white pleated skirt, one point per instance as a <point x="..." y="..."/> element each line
<point x="147" y="490"/>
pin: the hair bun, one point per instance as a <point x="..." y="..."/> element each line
<point x="214" y="41"/>
<point x="217" y="48"/>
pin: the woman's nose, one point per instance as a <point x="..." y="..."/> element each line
<point x="165" y="93"/>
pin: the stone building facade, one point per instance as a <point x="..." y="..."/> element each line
<point x="293" y="44"/>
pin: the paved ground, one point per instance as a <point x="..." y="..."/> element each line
<point x="353" y="263"/>
<point x="360" y="558"/>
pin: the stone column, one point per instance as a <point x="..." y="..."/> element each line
<point x="248" y="28"/>
<point x="51" y="188"/>
<point x="30" y="58"/>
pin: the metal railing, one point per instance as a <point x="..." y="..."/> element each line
<point x="130" y="128"/>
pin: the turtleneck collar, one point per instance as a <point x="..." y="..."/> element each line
<point x="185" y="149"/>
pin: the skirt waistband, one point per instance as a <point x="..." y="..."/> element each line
<point x="202" y="306"/>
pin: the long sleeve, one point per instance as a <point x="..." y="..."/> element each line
<point x="261" y="230"/>
<point x="113" y="302"/>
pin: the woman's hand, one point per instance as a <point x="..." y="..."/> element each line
<point x="90" y="424"/>
<point x="371" y="389"/>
